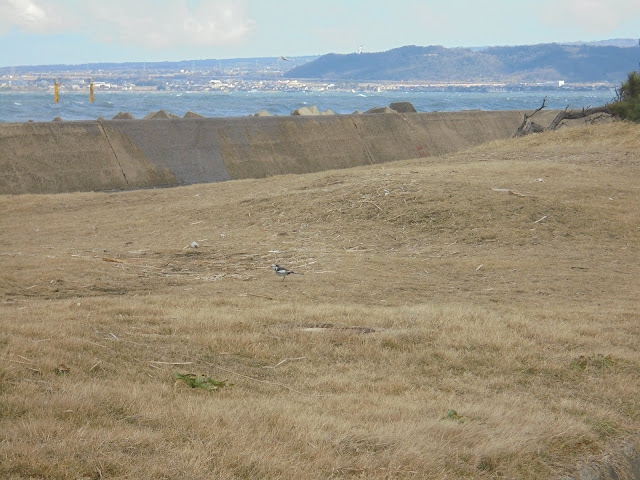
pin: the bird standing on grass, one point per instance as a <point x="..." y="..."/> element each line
<point x="283" y="272"/>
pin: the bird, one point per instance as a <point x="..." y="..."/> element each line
<point x="283" y="272"/>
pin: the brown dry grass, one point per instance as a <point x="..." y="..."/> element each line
<point x="501" y="285"/>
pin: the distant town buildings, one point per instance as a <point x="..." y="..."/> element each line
<point x="144" y="78"/>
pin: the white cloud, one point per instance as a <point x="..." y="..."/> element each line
<point x="33" y="16"/>
<point x="151" y="24"/>
<point x="590" y="16"/>
<point x="157" y="24"/>
<point x="28" y="13"/>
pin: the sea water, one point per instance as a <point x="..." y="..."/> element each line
<point x="40" y="106"/>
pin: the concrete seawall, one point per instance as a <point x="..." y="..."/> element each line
<point x="56" y="157"/>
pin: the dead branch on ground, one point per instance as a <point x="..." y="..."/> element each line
<point x="525" y="121"/>
<point x="576" y="114"/>
<point x="527" y="126"/>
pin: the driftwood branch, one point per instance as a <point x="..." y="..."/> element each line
<point x="576" y="114"/>
<point x="527" y="126"/>
<point x="521" y="129"/>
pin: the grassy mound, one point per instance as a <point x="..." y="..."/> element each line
<point x="466" y="316"/>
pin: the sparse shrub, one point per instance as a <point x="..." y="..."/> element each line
<point x="453" y="415"/>
<point x="627" y="104"/>
<point x="486" y="464"/>
<point x="597" y="361"/>
<point x="604" y="427"/>
<point x="200" y="381"/>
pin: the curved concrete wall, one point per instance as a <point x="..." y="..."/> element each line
<point x="57" y="157"/>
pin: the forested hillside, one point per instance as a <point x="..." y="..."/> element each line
<point x="544" y="62"/>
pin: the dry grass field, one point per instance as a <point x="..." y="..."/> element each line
<point x="468" y="316"/>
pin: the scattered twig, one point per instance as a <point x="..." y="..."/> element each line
<point x="112" y="260"/>
<point x="32" y="381"/>
<point x="372" y="203"/>
<point x="397" y="216"/>
<point x="517" y="194"/>
<point x="509" y="191"/>
<point x="265" y="381"/>
<point x="171" y="363"/>
<point x="131" y="417"/>
<point x="98" y="344"/>
<point x="255" y="295"/>
<point x="99" y="362"/>
<point x="18" y="361"/>
<point x="538" y="221"/>
<point x="285" y="360"/>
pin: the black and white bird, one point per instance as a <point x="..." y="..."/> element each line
<point x="283" y="272"/>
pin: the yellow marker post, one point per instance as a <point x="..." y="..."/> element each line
<point x="91" y="92"/>
<point x="55" y="92"/>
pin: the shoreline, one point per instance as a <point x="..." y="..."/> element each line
<point x="320" y="86"/>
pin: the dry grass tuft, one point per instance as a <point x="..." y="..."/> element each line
<point x="467" y="316"/>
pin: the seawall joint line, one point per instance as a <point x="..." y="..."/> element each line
<point x="364" y="145"/>
<point x="104" y="132"/>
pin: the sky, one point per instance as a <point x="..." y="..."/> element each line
<point x="44" y="32"/>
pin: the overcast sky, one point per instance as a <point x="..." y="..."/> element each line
<point x="40" y="32"/>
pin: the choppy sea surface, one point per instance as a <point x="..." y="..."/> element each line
<point x="40" y="106"/>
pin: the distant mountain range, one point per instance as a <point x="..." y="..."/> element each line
<point x="240" y="66"/>
<point x="573" y="63"/>
<point x="612" y="42"/>
<point x="591" y="62"/>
